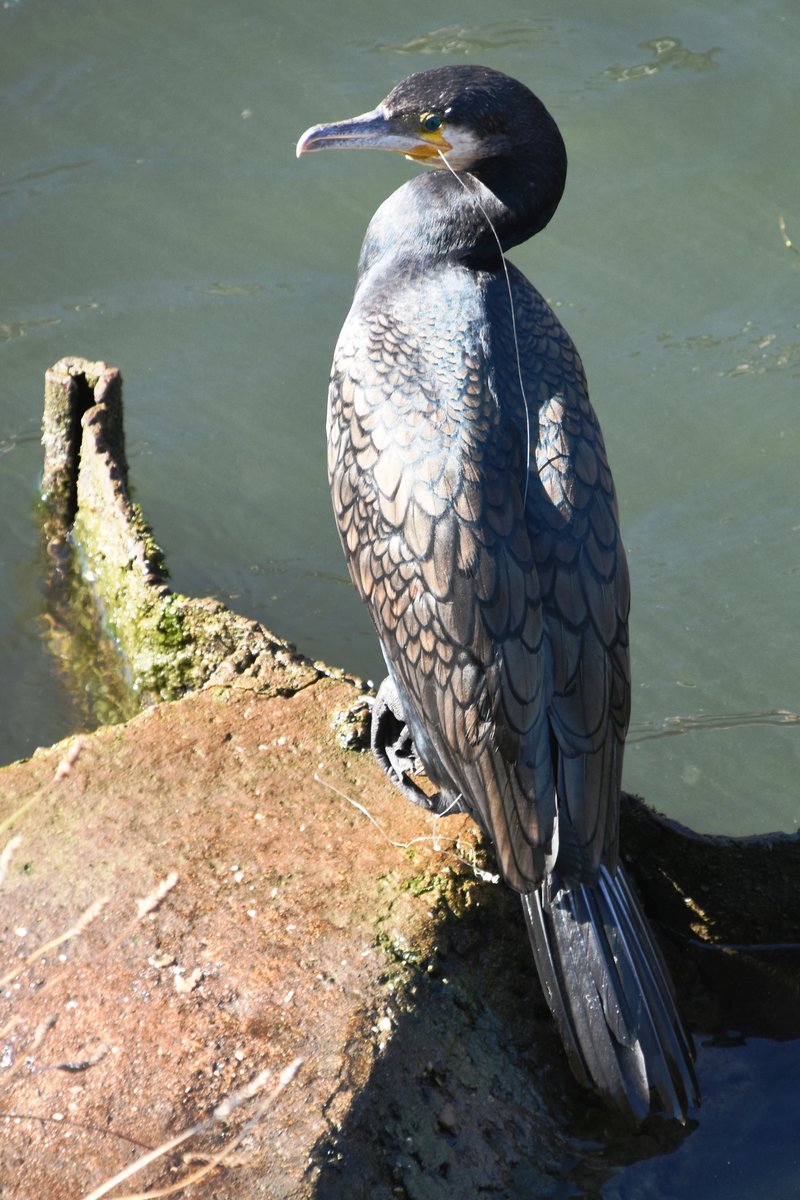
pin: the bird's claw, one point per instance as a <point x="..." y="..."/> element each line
<point x="393" y="747"/>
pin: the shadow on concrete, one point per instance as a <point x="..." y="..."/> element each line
<point x="471" y="1095"/>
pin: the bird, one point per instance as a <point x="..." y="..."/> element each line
<point x="478" y="517"/>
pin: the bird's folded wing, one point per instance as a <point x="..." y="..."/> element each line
<point x="437" y="544"/>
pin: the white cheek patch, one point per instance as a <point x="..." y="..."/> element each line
<point x="467" y="148"/>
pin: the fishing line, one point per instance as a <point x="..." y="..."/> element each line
<point x="513" y="322"/>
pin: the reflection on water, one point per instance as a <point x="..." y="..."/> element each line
<point x="11" y="441"/>
<point x="17" y="329"/>
<point x="672" y="726"/>
<point x="763" y="352"/>
<point x="86" y="658"/>
<point x="767" y="354"/>
<point x="667" y="52"/>
<point x="231" y="289"/>
<point x="471" y="40"/>
<point x="45" y="173"/>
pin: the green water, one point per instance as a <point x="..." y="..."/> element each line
<point x="152" y="214"/>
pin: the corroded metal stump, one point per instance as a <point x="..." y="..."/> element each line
<point x="102" y="552"/>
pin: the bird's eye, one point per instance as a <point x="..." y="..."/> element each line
<point x="431" y="122"/>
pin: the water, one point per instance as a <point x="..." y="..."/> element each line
<point x="737" y="1151"/>
<point x="152" y="214"/>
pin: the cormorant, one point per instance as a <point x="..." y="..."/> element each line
<point x="477" y="513"/>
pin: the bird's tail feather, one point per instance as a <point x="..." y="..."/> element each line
<point x="611" y="996"/>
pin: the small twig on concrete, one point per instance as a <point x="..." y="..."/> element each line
<point x="143" y="907"/>
<point x="6" y="856"/>
<point x="83" y="1064"/>
<point x="85" y="919"/>
<point x="13" y="817"/>
<point x="220" y="1113"/>
<point x="63" y="769"/>
<point x="39" y="1119"/>
<point x="150" y="903"/>
<point x="431" y="837"/>
<point x="69" y="759"/>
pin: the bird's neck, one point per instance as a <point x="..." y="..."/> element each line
<point x="469" y="217"/>
<point x="519" y="195"/>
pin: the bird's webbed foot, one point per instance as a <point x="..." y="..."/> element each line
<point x="393" y="747"/>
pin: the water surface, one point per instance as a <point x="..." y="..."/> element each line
<point x="153" y="215"/>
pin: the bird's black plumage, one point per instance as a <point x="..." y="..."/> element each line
<point x="477" y="514"/>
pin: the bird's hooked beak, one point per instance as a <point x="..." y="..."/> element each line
<point x="376" y="131"/>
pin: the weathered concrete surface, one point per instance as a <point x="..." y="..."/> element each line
<point x="278" y="939"/>
<point x="295" y="928"/>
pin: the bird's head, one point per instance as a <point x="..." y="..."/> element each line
<point x="465" y="115"/>
<point x="469" y="120"/>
